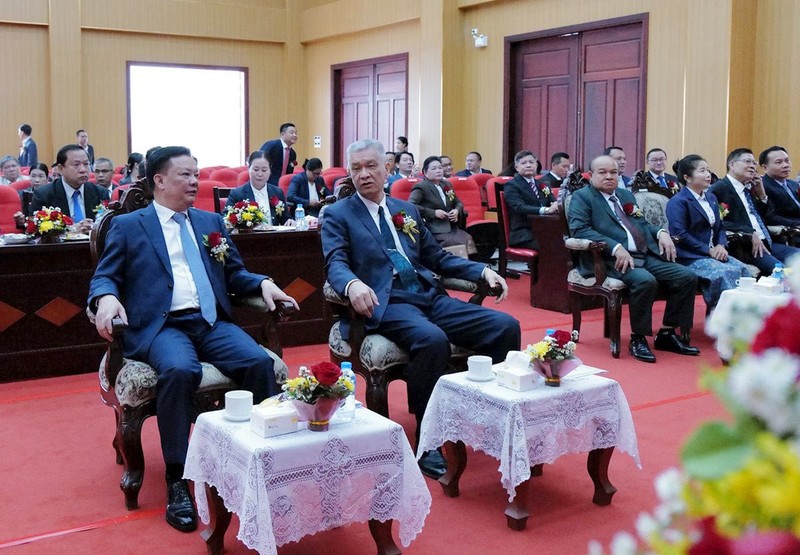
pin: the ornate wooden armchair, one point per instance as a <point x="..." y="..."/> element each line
<point x="129" y="386"/>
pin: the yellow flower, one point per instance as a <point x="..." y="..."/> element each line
<point x="46" y="226"/>
<point x="247" y="216"/>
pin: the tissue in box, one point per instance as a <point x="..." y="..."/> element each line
<point x="273" y="420"/>
<point x="515" y="373"/>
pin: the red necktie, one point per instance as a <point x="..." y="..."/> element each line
<point x="285" y="160"/>
<point x="638" y="237"/>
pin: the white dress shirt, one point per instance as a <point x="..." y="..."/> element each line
<point x="184" y="292"/>
<point x="631" y="246"/>
<point x="739" y="187"/>
<point x="440" y="190"/>
<point x="262" y="198"/>
<point x="701" y="198"/>
<point x="69" y="191"/>
<point x="313" y="195"/>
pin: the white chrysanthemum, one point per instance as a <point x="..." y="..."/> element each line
<point x="623" y="543"/>
<point x="766" y="386"/>
<point x="646" y="525"/>
<point x="595" y="548"/>
<point x="669" y="484"/>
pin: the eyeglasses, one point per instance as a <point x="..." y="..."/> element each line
<point x="747" y="161"/>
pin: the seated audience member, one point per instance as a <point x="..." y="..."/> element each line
<point x="134" y="169"/>
<point x="447" y="166"/>
<point x="473" y="163"/>
<point x="524" y="196"/>
<point x="390" y="163"/>
<point x="38" y="177"/>
<point x="637" y="253"/>
<point x="748" y="208"/>
<point x="405" y="168"/>
<point x="389" y="280"/>
<point x="178" y="314"/>
<point x="440" y="207"/>
<point x="401" y="144"/>
<point x="559" y="169"/>
<point x="28" y="155"/>
<point x="782" y="190"/>
<point x="696" y="227"/>
<point x="259" y="190"/>
<point x="73" y="193"/>
<point x="55" y="173"/>
<point x="618" y="155"/>
<point x="657" y="166"/>
<point x="280" y="152"/>
<point x="103" y="172"/>
<point x="10" y="168"/>
<point x="308" y="188"/>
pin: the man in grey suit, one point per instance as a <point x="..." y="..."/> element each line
<point x="637" y="253"/>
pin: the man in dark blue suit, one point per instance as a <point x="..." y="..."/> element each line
<point x="175" y="296"/>
<point x="386" y="270"/>
<point x="524" y="197"/>
<point x="637" y="253"/>
<point x="28" y="155"/>
<point x="619" y="157"/>
<point x="473" y="163"/>
<point x="782" y="190"/>
<point x="282" y="156"/>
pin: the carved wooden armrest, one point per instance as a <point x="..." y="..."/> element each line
<point x="283" y="309"/>
<point x="777" y="229"/>
<point x="597" y="248"/>
<point x="114" y="353"/>
<point x="330" y="295"/>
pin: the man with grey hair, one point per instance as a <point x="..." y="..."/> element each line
<point x="103" y="172"/>
<point x="10" y="168"/>
<point x="379" y="255"/>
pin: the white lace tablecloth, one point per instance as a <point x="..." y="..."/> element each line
<point x="289" y="486"/>
<point x="739" y="316"/>
<point x="523" y="429"/>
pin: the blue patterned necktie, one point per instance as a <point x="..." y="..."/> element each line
<point x="662" y="181"/>
<point x="790" y="193"/>
<point x="406" y="273"/>
<point x="77" y="211"/>
<point x="754" y="212"/>
<point x="208" y="303"/>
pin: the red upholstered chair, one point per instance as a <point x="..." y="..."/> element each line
<point x="491" y="196"/>
<point x="116" y="178"/>
<point x="335" y="170"/>
<point x="21" y="184"/>
<point x="402" y="187"/>
<point x="239" y="169"/>
<point x="205" y="173"/>
<point x="10" y="204"/>
<point x="25" y="170"/>
<point x="117" y="193"/>
<point x="484" y="232"/>
<point x="507" y="253"/>
<point x="481" y="179"/>
<point x="331" y="178"/>
<point x="284" y="181"/>
<point x="225" y="175"/>
<point x="205" y="195"/>
<point x="242" y="178"/>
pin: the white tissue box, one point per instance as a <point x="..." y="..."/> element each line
<point x="273" y="420"/>
<point x="516" y="378"/>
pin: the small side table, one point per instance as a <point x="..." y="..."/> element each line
<point x="525" y="430"/>
<point x="285" y="487"/>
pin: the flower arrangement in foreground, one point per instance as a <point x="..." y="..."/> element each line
<point x="553" y="355"/>
<point x="48" y="221"/>
<point x="739" y="490"/>
<point x="318" y="393"/>
<point x="244" y="215"/>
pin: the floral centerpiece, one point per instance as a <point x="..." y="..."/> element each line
<point x="244" y="215"/>
<point x="48" y="223"/>
<point x="738" y="492"/>
<point x="552" y="356"/>
<point x="318" y="393"/>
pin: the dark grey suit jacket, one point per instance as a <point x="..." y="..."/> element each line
<point x="425" y="196"/>
<point x="52" y="194"/>
<point x="523" y="202"/>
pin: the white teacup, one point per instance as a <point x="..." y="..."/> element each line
<point x="479" y="367"/>
<point x="746" y="283"/>
<point x="238" y="404"/>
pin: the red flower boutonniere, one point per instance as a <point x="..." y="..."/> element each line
<point x="632" y="210"/>
<point x="217" y="245"/>
<point x="724" y="209"/>
<point x="449" y="192"/>
<point x="277" y="204"/>
<point x="406" y="224"/>
<point x="673" y="187"/>
<point x="544" y="189"/>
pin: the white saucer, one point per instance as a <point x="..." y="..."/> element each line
<point x="232" y="418"/>
<point x="476" y="379"/>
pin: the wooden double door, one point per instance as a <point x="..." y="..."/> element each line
<point x="578" y="90"/>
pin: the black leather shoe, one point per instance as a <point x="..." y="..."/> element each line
<point x="181" y="513"/>
<point x="640" y="350"/>
<point x="433" y="464"/>
<point x="667" y="340"/>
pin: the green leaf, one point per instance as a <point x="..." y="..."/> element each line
<point x="716" y="449"/>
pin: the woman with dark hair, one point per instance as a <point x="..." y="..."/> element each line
<point x="695" y="223"/>
<point x="308" y="188"/>
<point x="440" y="207"/>
<point x="134" y="169"/>
<point x="258" y="190"/>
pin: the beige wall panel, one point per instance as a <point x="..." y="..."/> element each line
<point x="743" y="36"/>
<point x="776" y="78"/>
<point x="105" y="56"/>
<point x="25" y="49"/>
<point x="320" y="56"/>
<point x="351" y="16"/>
<point x="25" y="11"/>
<point x="239" y="19"/>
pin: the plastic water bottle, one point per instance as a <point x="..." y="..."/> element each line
<point x="779" y="274"/>
<point x="349" y="409"/>
<point x="300" y="218"/>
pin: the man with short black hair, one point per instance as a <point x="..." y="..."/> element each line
<point x="782" y="190"/>
<point x="157" y="274"/>
<point x="83" y="142"/>
<point x="618" y="155"/>
<point x="559" y="170"/>
<point x="281" y="155"/>
<point x="525" y="197"/>
<point x="404" y="162"/>
<point x="447" y="166"/>
<point x="657" y="166"/>
<point x="28" y="154"/>
<point x="103" y="172"/>
<point x="473" y="163"/>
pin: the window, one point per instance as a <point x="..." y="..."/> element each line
<point x="202" y="108"/>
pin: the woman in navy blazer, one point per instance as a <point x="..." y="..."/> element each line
<point x="695" y="223"/>
<point x="301" y="183"/>
<point x="258" y="167"/>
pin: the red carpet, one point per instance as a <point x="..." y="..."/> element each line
<point x="60" y="489"/>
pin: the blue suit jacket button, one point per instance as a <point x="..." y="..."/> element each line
<point x="169" y="286"/>
<point x="165" y="314"/>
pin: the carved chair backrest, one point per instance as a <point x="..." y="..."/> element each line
<point x="135" y="197"/>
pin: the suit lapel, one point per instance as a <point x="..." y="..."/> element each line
<point x="200" y="227"/>
<point x="152" y="227"/>
<point x="60" y="196"/>
<point x="360" y="210"/>
<point x="695" y="203"/>
<point x="248" y="192"/>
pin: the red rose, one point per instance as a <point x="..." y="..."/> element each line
<point x="562" y="337"/>
<point x="240" y="204"/>
<point x="541" y="185"/>
<point x="399" y="220"/>
<point x="214" y="239"/>
<point x="780" y="331"/>
<point x="30" y="227"/>
<point x="274" y="201"/>
<point x="327" y="373"/>
<point x="233" y="219"/>
<point x="54" y="215"/>
<point x="628" y="208"/>
<point x="68" y="220"/>
<point x="447" y="188"/>
<point x="41" y="214"/>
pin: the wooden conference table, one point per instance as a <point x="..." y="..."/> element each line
<point x="44" y="330"/>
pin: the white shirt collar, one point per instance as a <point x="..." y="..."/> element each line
<point x="165" y="214"/>
<point x="284" y="145"/>
<point x="68" y="190"/>
<point x="738" y="185"/>
<point x="695" y="195"/>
